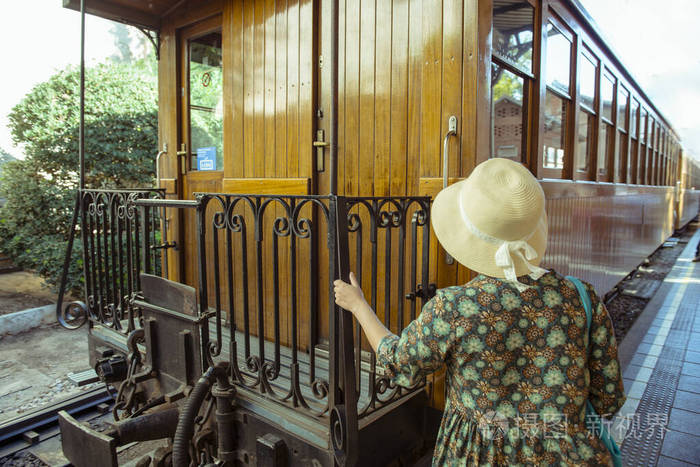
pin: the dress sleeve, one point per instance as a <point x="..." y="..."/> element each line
<point x="423" y="345"/>
<point x="606" y="390"/>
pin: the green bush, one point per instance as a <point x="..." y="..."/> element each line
<point x="121" y="131"/>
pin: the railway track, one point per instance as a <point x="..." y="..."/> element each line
<point x="32" y="429"/>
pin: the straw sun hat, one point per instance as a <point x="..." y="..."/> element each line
<point x="494" y="222"/>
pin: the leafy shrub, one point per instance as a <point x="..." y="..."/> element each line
<point x="121" y="132"/>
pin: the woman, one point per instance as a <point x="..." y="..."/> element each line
<point x="520" y="364"/>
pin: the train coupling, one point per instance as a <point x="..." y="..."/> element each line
<point x="85" y="447"/>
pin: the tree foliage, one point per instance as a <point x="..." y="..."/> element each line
<point x="5" y="157"/>
<point x="121" y="127"/>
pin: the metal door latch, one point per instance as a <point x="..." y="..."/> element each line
<point x="183" y="154"/>
<point x="420" y="292"/>
<point x="319" y="144"/>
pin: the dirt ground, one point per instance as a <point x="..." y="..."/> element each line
<point x="34" y="365"/>
<point x="23" y="290"/>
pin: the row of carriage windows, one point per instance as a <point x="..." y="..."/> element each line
<point x="606" y="144"/>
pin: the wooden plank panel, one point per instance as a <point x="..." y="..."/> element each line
<point x="452" y="44"/>
<point x="258" y="150"/>
<point x="376" y="47"/>
<point x="398" y="98"/>
<point x="234" y="97"/>
<point x="306" y="88"/>
<point x="415" y="80"/>
<point x="281" y="45"/>
<point x="248" y="88"/>
<point x="170" y="185"/>
<point x="382" y="99"/>
<point x="352" y="89"/>
<point x="267" y="186"/>
<point x="269" y="19"/>
<point x="342" y="97"/>
<point x="367" y="124"/>
<point x="483" y="80"/>
<point x="431" y="89"/>
<point x="467" y="132"/>
<point x="293" y="26"/>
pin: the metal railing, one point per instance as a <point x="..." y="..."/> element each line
<point x="265" y="271"/>
<point x="119" y="242"/>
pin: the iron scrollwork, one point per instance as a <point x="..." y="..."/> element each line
<point x="117" y="241"/>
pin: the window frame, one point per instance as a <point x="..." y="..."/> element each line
<point x="643" y="137"/>
<point x="634" y="140"/>
<point x="528" y="85"/>
<point x="623" y="135"/>
<point x="608" y="146"/>
<point x="210" y="25"/>
<point x="568" y="125"/>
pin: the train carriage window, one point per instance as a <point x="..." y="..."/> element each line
<point x="607" y="91"/>
<point x="584" y="138"/>
<point x="642" y="160"/>
<point x="508" y="114"/>
<point x="652" y="164"/>
<point x="587" y="80"/>
<point x="206" y="102"/>
<point x="623" y="97"/>
<point x="513" y="26"/>
<point x="634" y="157"/>
<point x="554" y="131"/>
<point x="622" y="166"/>
<point x="606" y="133"/>
<point x="634" y="146"/>
<point x="605" y="143"/>
<point x="558" y="59"/>
<point x="557" y="99"/>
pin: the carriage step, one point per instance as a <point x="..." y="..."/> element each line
<point x="81" y="378"/>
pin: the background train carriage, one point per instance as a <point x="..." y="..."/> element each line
<point x="262" y="215"/>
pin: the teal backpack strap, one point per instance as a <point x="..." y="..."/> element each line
<point x="592" y="417"/>
<point x="585" y="299"/>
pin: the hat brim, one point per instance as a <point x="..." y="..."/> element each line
<point x="470" y="250"/>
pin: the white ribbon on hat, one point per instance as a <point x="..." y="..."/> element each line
<point x="504" y="254"/>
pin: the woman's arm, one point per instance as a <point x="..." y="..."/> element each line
<point x="421" y="348"/>
<point x="350" y="297"/>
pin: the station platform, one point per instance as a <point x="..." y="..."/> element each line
<point x="659" y="425"/>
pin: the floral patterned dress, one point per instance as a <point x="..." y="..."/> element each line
<point x="519" y="368"/>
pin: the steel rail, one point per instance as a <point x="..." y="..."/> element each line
<point x="49" y="415"/>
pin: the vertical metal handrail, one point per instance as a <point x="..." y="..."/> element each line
<point x="74" y="315"/>
<point x="343" y="420"/>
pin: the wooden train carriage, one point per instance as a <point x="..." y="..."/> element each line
<point x="426" y="90"/>
<point x="247" y="83"/>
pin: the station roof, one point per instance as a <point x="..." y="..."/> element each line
<point x="145" y="14"/>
